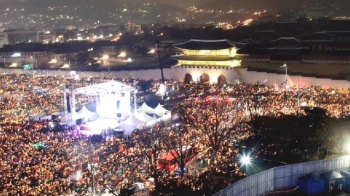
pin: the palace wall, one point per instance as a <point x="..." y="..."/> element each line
<point x="234" y="75"/>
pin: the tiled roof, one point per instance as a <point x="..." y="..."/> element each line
<point x="203" y="58"/>
<point x="195" y="44"/>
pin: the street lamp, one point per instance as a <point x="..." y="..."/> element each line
<point x="285" y="66"/>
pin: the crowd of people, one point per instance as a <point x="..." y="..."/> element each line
<point x="65" y="162"/>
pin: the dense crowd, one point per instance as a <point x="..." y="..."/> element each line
<point x="65" y="162"/>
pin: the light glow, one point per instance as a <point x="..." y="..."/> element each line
<point x="246" y="160"/>
<point x="161" y="90"/>
<point x="53" y="61"/>
<point x="17" y="54"/>
<point x="122" y="55"/>
<point x="152" y="51"/>
<point x="128" y="60"/>
<point x="13" y="65"/>
<point x="65" y="66"/>
<point x="105" y="57"/>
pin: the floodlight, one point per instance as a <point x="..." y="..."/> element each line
<point x="245" y="160"/>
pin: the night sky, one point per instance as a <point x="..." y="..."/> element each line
<point x="256" y="4"/>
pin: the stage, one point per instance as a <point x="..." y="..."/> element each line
<point x="116" y="109"/>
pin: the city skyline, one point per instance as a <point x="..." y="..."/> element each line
<point x="47" y="15"/>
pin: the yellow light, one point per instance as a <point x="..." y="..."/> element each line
<point x="66" y="65"/>
<point x="105" y="57"/>
<point x="152" y="51"/>
<point x="53" y="61"/>
<point x="122" y="54"/>
<point x="204" y="51"/>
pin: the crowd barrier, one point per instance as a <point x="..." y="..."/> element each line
<point x="281" y="177"/>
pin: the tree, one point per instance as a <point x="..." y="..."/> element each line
<point x="180" y="146"/>
<point x="149" y="140"/>
<point x="219" y="121"/>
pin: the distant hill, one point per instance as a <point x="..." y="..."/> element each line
<point x="256" y="5"/>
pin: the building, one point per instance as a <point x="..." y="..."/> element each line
<point x="208" y="53"/>
<point x="318" y="47"/>
<point x="132" y="27"/>
<point x="10" y="37"/>
<point x="47" y="38"/>
<point x="34" y="54"/>
<point x="212" y="54"/>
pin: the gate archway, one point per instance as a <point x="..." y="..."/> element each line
<point x="204" y="78"/>
<point x="221" y="79"/>
<point x="188" y="78"/>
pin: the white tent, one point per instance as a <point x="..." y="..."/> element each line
<point x="142" y="116"/>
<point x="133" y="120"/>
<point x="160" y="111"/>
<point x="130" y="124"/>
<point x="84" y="112"/>
<point x="145" y="108"/>
<point x="153" y="121"/>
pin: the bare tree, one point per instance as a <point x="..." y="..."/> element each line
<point x="180" y="146"/>
<point x="150" y="142"/>
<point x="219" y="121"/>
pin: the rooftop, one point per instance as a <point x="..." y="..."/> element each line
<point x="329" y="70"/>
<point x="196" y="44"/>
<point x="204" y="58"/>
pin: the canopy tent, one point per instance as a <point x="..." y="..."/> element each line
<point x="154" y="117"/>
<point x="145" y="108"/>
<point x="133" y="120"/>
<point x="311" y="184"/>
<point x="333" y="180"/>
<point x="130" y="124"/>
<point x="84" y="112"/>
<point x="160" y="110"/>
<point x="142" y="116"/>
